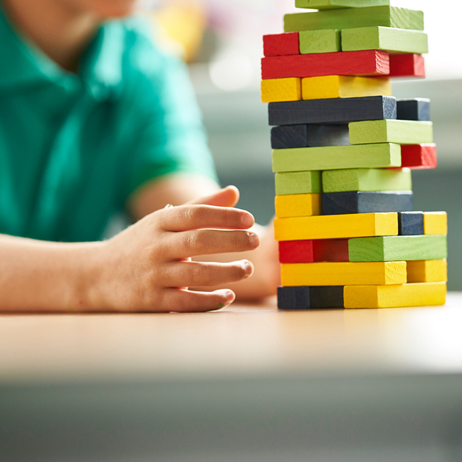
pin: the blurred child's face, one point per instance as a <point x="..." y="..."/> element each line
<point x="104" y="9"/>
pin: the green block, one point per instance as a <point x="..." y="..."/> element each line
<point x="397" y="248"/>
<point x="366" y="180"/>
<point x="332" y="4"/>
<point x="384" y="38"/>
<point x="335" y="157"/>
<point x="298" y="183"/>
<point x="349" y="18"/>
<point x="391" y="131"/>
<point x="319" y="41"/>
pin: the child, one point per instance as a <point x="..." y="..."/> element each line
<point x="93" y="120"/>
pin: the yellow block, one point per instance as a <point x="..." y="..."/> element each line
<point x="336" y="226"/>
<point x="276" y="90"/>
<point x="298" y="205"/>
<point x="427" y="271"/>
<point x="435" y="222"/>
<point x="342" y="274"/>
<point x="433" y="293"/>
<point x="339" y="86"/>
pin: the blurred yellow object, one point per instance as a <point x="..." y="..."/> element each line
<point x="180" y="26"/>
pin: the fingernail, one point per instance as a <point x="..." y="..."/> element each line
<point x="248" y="269"/>
<point x="254" y="240"/>
<point x="229" y="297"/>
<point x="247" y="220"/>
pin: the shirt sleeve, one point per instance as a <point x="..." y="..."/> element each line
<point x="167" y="135"/>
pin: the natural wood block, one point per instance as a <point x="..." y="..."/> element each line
<point x="405" y="295"/>
<point x="338" y="86"/>
<point x="332" y="111"/>
<point x="281" y="44"/>
<point x="310" y="298"/>
<point x="391" y="131"/>
<point x="273" y="90"/>
<point x="398" y="248"/>
<point x="366" y="202"/>
<point x="342" y="274"/>
<point x="408" y="65"/>
<point x="386" y="16"/>
<point x="335" y="4"/>
<point x="319" y="41"/>
<point x="384" y="38"/>
<point x="298" y="183"/>
<point x="435" y="223"/>
<point x="334" y="157"/>
<point x="419" y="156"/>
<point x="336" y="226"/>
<point x="369" y="62"/>
<point x="427" y="271"/>
<point x="309" y="251"/>
<point x="315" y="135"/>
<point x="298" y="205"/>
<point x="410" y="223"/>
<point x="413" y="109"/>
<point x="366" y="180"/>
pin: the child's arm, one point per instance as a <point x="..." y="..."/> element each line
<point x="144" y="268"/>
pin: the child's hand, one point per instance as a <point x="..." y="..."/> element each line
<point x="147" y="267"/>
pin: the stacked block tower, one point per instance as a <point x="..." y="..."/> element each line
<point x="343" y="152"/>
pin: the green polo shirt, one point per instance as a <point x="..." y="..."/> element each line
<point x="74" y="147"/>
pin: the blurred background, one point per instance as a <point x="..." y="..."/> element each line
<point x="222" y="42"/>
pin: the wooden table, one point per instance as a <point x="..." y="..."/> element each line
<point x="245" y="383"/>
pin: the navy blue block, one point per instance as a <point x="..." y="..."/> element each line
<point x="366" y="202"/>
<point x="294" y="298"/>
<point x="410" y="223"/>
<point x="310" y="298"/>
<point x="413" y="109"/>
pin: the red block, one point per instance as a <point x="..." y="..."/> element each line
<point x="370" y="62"/>
<point x="408" y="65"/>
<point x="281" y="44"/>
<point x="418" y="156"/>
<point x="309" y="251"/>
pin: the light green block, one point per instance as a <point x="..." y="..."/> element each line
<point x="397" y="248"/>
<point x="298" y="183"/>
<point x="319" y="41"/>
<point x="384" y="38"/>
<point x="348" y="18"/>
<point x="391" y="131"/>
<point x="332" y="4"/>
<point x="337" y="157"/>
<point x="370" y="179"/>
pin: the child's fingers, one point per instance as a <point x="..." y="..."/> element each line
<point x="181" y="300"/>
<point x="188" y="217"/>
<point x="197" y="274"/>
<point x="209" y="242"/>
<point x="226" y="197"/>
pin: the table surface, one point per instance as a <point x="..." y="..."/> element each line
<point x="240" y="341"/>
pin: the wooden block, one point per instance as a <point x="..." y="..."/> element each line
<point x="408" y="65"/>
<point x="342" y="274"/>
<point x="298" y="183"/>
<point x="410" y="223"/>
<point x="335" y="4"/>
<point x="306" y="298"/>
<point x="366" y="180"/>
<point x="334" y="157"/>
<point x="427" y="271"/>
<point x="386" y="16"/>
<point x="384" y="38"/>
<point x="281" y="44"/>
<point x="309" y="251"/>
<point x="273" y="90"/>
<point x="298" y="205"/>
<point x="319" y="41"/>
<point x="398" y="248"/>
<point x="365" y="202"/>
<point x="316" y="135"/>
<point x="419" y="156"/>
<point x="332" y="111"/>
<point x="435" y="223"/>
<point x="336" y="226"/>
<point x="343" y="63"/>
<point x="405" y="295"/>
<point x="391" y="131"/>
<point x="413" y="109"/>
<point x="340" y="86"/>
